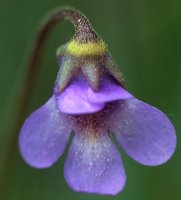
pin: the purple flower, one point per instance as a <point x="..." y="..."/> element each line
<point x="91" y="103"/>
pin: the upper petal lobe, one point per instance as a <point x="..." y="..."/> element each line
<point x="80" y="98"/>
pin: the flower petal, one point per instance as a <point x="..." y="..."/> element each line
<point x="73" y="100"/>
<point x="144" y="132"/>
<point x="94" y="165"/>
<point x="44" y="136"/>
<point x="80" y="98"/>
<point x="109" y="91"/>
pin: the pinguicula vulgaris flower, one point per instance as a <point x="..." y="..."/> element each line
<point x="91" y="103"/>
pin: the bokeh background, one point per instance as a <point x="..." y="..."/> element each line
<point x="144" y="38"/>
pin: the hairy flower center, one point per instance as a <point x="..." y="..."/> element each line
<point x="93" y="125"/>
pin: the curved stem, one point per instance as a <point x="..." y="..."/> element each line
<point x="83" y="33"/>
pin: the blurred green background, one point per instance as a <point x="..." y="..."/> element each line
<point x="144" y="37"/>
